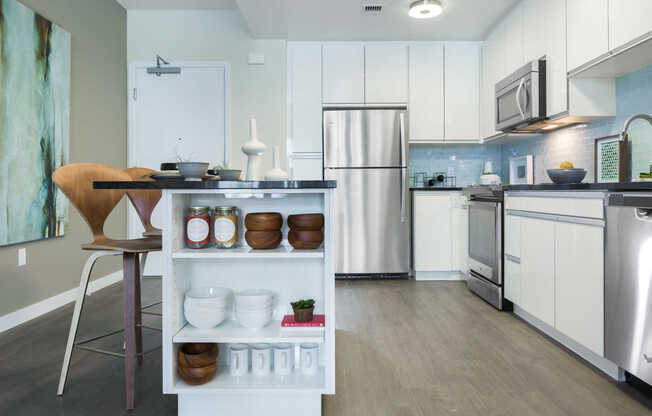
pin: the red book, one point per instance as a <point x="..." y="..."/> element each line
<point x="318" y="321"/>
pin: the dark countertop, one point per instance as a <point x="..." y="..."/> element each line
<point x="178" y="184"/>
<point x="435" y="188"/>
<point x="614" y="187"/>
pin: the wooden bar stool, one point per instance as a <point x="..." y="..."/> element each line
<point x="76" y="181"/>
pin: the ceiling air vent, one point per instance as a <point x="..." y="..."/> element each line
<point x="372" y="8"/>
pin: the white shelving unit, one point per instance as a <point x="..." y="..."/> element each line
<point x="231" y="331"/>
<point x="291" y="274"/>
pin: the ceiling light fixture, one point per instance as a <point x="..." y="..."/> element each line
<point x="425" y="9"/>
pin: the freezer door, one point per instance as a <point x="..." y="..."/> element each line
<point x="361" y="138"/>
<point x="371" y="222"/>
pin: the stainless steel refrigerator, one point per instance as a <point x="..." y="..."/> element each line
<point x="366" y="151"/>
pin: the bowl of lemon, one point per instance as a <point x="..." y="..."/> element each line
<point x="566" y="173"/>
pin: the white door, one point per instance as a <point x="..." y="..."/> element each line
<point x="386" y="73"/>
<point x="304" y="97"/>
<point x="462" y="91"/>
<point x="588" y="30"/>
<point x="628" y="19"/>
<point x="177" y="114"/>
<point x="538" y="268"/>
<point x="426" y="103"/>
<point x="432" y="238"/>
<point x="579" y="286"/>
<point x="343" y="73"/>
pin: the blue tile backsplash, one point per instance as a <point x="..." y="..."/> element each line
<point x="575" y="143"/>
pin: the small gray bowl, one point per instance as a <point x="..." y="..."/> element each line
<point x="566" y="176"/>
<point x="193" y="171"/>
<point x="229" y="174"/>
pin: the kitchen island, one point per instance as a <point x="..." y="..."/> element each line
<point x="291" y="274"/>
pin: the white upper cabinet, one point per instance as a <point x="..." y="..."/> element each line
<point x="304" y="97"/>
<point x="557" y="85"/>
<point x="343" y="73"/>
<point x="588" y="30"/>
<point x="386" y="73"/>
<point x="426" y="103"/>
<point x="534" y="29"/>
<point x="461" y="91"/>
<point x="493" y="68"/>
<point x="628" y="20"/>
<point x="514" y="52"/>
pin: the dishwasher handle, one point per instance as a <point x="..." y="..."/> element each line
<point x="641" y="201"/>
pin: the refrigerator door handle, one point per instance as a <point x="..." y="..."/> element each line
<point x="403" y="176"/>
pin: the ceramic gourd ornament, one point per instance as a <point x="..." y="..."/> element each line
<point x="276" y="174"/>
<point x="254" y="150"/>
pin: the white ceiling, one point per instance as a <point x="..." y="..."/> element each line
<point x="178" y="4"/>
<point x="344" y="20"/>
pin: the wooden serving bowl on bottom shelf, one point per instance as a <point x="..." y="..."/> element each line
<point x="197" y="355"/>
<point x="263" y="240"/>
<point x="197" y="376"/>
<point x="305" y="239"/>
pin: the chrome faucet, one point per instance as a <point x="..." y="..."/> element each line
<point x="623" y="138"/>
<point x="623" y="134"/>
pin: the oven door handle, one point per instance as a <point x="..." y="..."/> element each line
<point x="518" y="98"/>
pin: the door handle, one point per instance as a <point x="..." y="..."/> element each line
<point x="518" y="98"/>
<point x="403" y="186"/>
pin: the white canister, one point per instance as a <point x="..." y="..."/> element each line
<point x="309" y="358"/>
<point x="238" y="359"/>
<point x="283" y="354"/>
<point x="261" y="359"/>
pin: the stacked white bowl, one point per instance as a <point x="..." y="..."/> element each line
<point x="207" y="307"/>
<point x="254" y="308"/>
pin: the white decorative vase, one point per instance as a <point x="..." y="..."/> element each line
<point x="254" y="150"/>
<point x="276" y="174"/>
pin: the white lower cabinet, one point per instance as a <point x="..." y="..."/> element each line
<point x="579" y="283"/>
<point x="538" y="268"/>
<point x="512" y="280"/>
<point x="439" y="234"/>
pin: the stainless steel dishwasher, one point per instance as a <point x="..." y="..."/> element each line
<point x="628" y="283"/>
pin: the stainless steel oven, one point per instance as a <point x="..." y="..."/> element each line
<point x="521" y="98"/>
<point x="485" y="257"/>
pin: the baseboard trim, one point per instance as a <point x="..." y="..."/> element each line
<point x="452" y="275"/>
<point x="35" y="310"/>
<point x="601" y="363"/>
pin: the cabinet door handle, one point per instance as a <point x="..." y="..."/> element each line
<point x="647" y="359"/>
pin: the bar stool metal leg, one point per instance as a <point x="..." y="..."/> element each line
<point x="131" y="273"/>
<point x="79" y="303"/>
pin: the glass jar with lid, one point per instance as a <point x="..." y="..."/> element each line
<point x="225" y="226"/>
<point x="198" y="224"/>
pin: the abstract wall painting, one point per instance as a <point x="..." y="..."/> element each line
<point x="34" y="124"/>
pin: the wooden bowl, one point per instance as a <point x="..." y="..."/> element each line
<point x="264" y="239"/>
<point x="305" y="239"/>
<point x="197" y="376"/>
<point x="263" y="221"/>
<point x="189" y="356"/>
<point x="306" y="221"/>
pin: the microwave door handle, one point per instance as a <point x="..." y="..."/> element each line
<point x="518" y="98"/>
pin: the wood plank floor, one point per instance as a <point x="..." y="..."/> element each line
<point x="403" y="348"/>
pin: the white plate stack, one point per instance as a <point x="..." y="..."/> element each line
<point x="254" y="308"/>
<point x="207" y="307"/>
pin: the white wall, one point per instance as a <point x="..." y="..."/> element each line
<point x="256" y="90"/>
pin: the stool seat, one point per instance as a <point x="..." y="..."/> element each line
<point x="136" y="245"/>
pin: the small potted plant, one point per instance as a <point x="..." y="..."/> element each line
<point x="303" y="310"/>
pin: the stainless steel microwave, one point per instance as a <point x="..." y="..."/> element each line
<point x="521" y="98"/>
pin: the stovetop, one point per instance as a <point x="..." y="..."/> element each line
<point x="485" y="192"/>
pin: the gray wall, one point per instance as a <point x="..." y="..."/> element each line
<point x="98" y="134"/>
